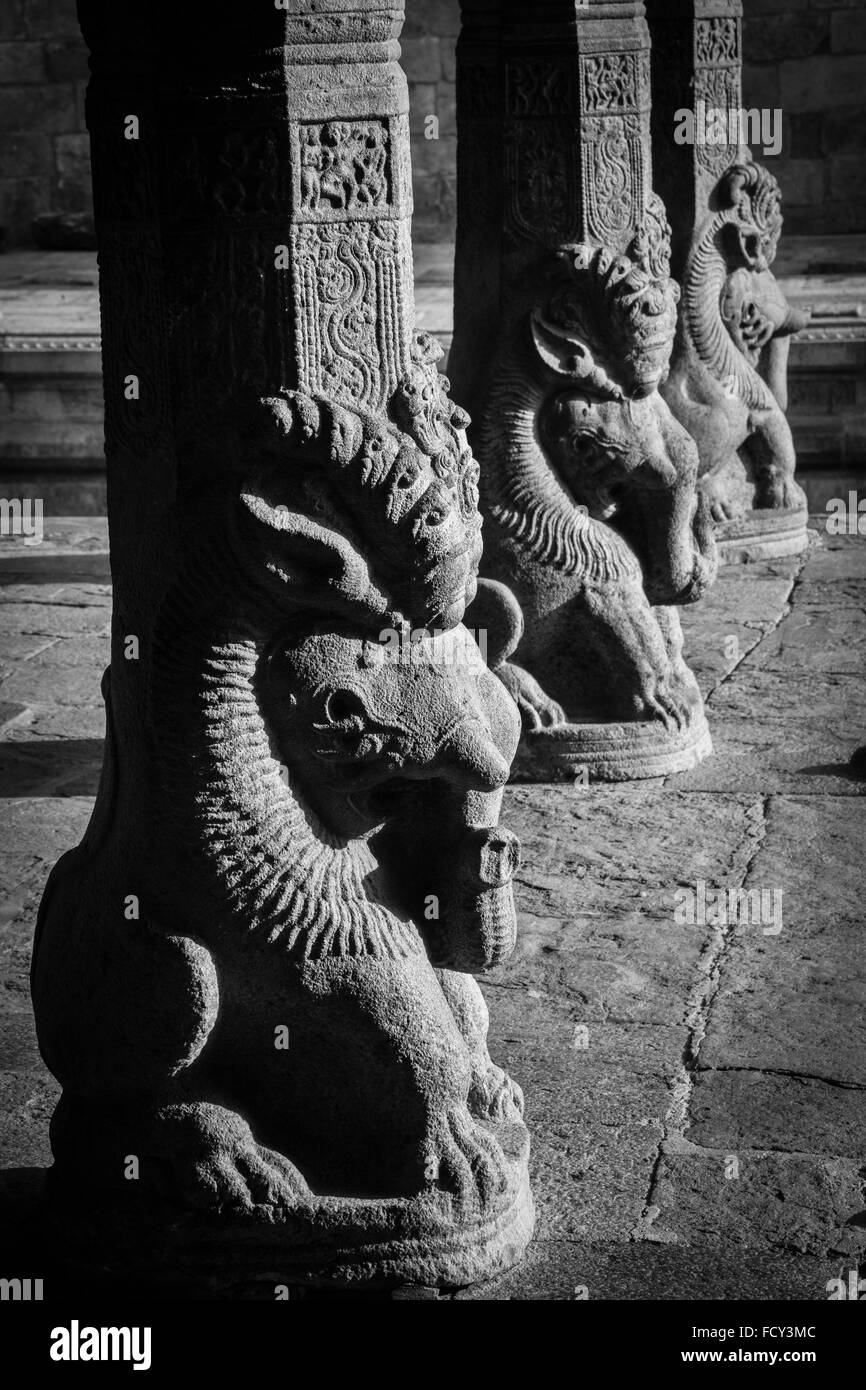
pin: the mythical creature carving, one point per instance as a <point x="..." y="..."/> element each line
<point x="318" y="853"/>
<point x="344" y="166"/>
<point x="589" y="489"/>
<point x="611" y="81"/>
<point x="728" y="380"/>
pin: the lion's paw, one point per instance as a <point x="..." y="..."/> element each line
<point x="717" y="499"/>
<point x="243" y="1178"/>
<point x="779" y="492"/>
<point x="537" y="710"/>
<point x="216" y="1163"/>
<point x="494" y="1096"/>
<point x="463" y="1159"/>
<point x="668" y="701"/>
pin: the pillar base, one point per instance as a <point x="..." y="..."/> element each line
<point x="572" y="741"/>
<point x="763" y="533"/>
<point x="612" y="752"/>
<point x="330" y="1243"/>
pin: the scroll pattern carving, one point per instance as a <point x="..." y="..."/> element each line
<point x="613" y="177"/>
<point x="541" y="169"/>
<point x="351" y="319"/>
<point x="717" y="85"/>
<point x="719" y="89"/>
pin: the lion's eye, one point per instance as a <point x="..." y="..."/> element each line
<point x="344" y="707"/>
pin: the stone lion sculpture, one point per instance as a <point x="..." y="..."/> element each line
<point x="593" y="520"/>
<point x="324" y="874"/>
<point x="728" y="380"/>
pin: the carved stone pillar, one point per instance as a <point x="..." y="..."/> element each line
<point x="728" y="380"/>
<point x="564" y="321"/>
<point x="254" y="977"/>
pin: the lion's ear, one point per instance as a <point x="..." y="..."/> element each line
<point x="562" y="353"/>
<point x="569" y="357"/>
<point x="320" y="564"/>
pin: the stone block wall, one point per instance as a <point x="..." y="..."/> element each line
<point x="428" y="43"/>
<point x="807" y="57"/>
<point x="44" y="150"/>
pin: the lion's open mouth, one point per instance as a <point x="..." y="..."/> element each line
<point x="392" y="798"/>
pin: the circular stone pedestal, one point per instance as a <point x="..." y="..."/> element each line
<point x="337" y="1244"/>
<point x="621" y="752"/>
<point x="763" y="534"/>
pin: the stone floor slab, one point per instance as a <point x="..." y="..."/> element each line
<point x="739" y="1110"/>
